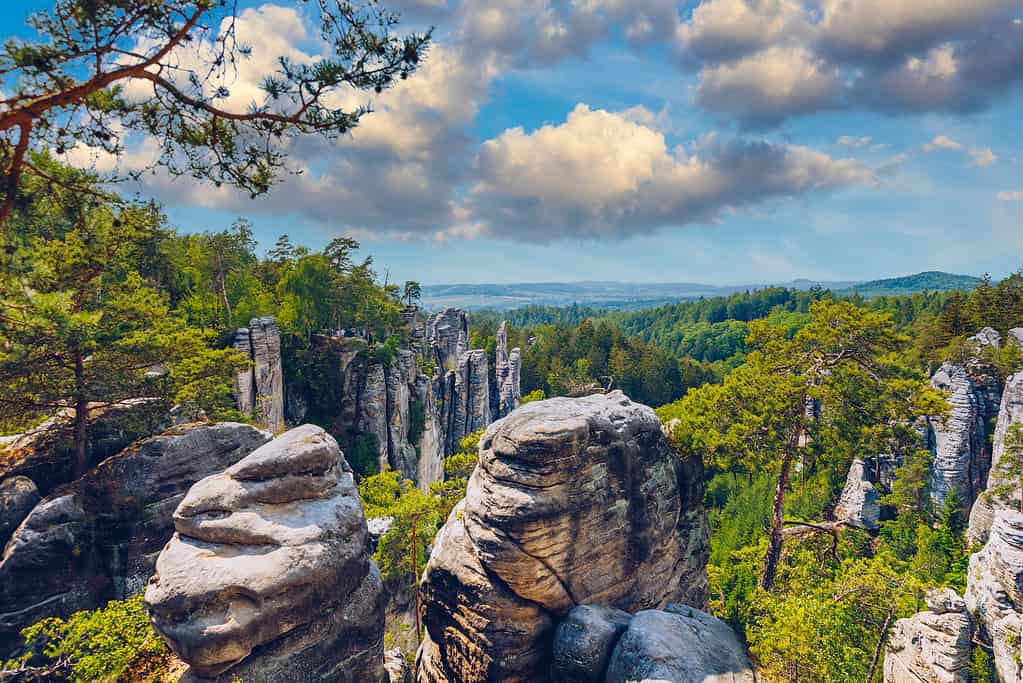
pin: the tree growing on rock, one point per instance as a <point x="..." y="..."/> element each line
<point x="97" y="73"/>
<point x="758" y="418"/>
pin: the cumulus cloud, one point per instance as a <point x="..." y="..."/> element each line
<point x="942" y="142"/>
<point x="728" y="29"/>
<point x="979" y="156"/>
<point x="1010" y="196"/>
<point x="767" y="87"/>
<point x="603" y="175"/>
<point x="982" y="156"/>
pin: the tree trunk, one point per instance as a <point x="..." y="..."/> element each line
<point x="81" y="418"/>
<point x="776" y="538"/>
<point x="880" y="645"/>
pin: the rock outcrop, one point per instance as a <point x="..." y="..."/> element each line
<point x="46" y="454"/>
<point x="678" y="644"/>
<point x="507" y="373"/>
<point x="261" y="388"/>
<point x="961" y="457"/>
<point x="267" y="577"/>
<point x="463" y="397"/>
<point x="574" y="501"/>
<point x="97" y="538"/>
<point x="994" y="593"/>
<point x="18" y="495"/>
<point x="932" y="646"/>
<point x="447" y="336"/>
<point x="860" y="502"/>
<point x="1001" y="492"/>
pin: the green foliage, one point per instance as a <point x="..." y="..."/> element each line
<point x="982" y="667"/>
<point x="535" y="395"/>
<point x="362" y="453"/>
<point x="416" y="420"/>
<point x="415" y="519"/>
<point x="205" y="383"/>
<point x="98" y="645"/>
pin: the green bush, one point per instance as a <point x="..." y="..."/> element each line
<point x="361" y="453"/>
<point x="97" y="645"/>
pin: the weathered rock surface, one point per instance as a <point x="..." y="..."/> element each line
<point x="267" y="577"/>
<point x="261" y="387"/>
<point x="584" y="641"/>
<point x="508" y="373"/>
<point x="994" y="592"/>
<point x="97" y="538"/>
<point x="447" y="335"/>
<point x="574" y="501"/>
<point x="397" y="668"/>
<point x="46" y="454"/>
<point x="932" y="646"/>
<point x="681" y="645"/>
<point x="18" y="495"/>
<point x="961" y="457"/>
<point x="463" y="396"/>
<point x="1016" y="334"/>
<point x="1001" y="492"/>
<point x="860" y="502"/>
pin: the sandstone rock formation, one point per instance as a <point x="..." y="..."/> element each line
<point x="860" y="502"/>
<point x="447" y="336"/>
<point x="932" y="646"/>
<point x="507" y="372"/>
<point x="994" y="592"/>
<point x="679" y="644"/>
<point x="574" y="501"/>
<point x="961" y="457"/>
<point x="18" y="495"/>
<point x="584" y="642"/>
<point x="1001" y="493"/>
<point x="267" y="577"/>
<point x="261" y="387"/>
<point x="97" y="538"/>
<point x="463" y="397"/>
<point x="46" y="453"/>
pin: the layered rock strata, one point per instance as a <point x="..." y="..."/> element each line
<point x="860" y="502"/>
<point x="932" y="646"/>
<point x="574" y="501"/>
<point x="994" y="593"/>
<point x="507" y="372"/>
<point x="260" y="388"/>
<point x="268" y="576"/>
<point x="97" y="538"/>
<point x="1002" y="492"/>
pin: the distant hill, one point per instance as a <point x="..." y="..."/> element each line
<point x="930" y="281"/>
<point x="618" y="296"/>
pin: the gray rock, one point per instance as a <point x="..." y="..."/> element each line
<point x="1002" y="492"/>
<point x="994" y="592"/>
<point x="97" y="539"/>
<point x="373" y="411"/>
<point x="447" y="335"/>
<point x="260" y="389"/>
<point x="507" y="372"/>
<point x="932" y="646"/>
<point x="584" y="641"/>
<point x="46" y="454"/>
<point x="859" y="504"/>
<point x="267" y="576"/>
<point x="574" y="501"/>
<point x="961" y="457"/>
<point x="18" y="495"/>
<point x="679" y="645"/>
<point x="397" y="668"/>
<point x="987" y="337"/>
<point x="1016" y="334"/>
<point x="464" y="398"/>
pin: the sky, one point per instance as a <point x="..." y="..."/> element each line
<point x="721" y="141"/>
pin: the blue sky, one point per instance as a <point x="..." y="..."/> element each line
<point x="725" y="141"/>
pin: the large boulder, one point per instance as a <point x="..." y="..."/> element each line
<point x="584" y="642"/>
<point x="679" y="645"/>
<point x="97" y="538"/>
<point x="268" y="576"/>
<point x="18" y="495"/>
<point x="932" y="646"/>
<point x="46" y="453"/>
<point x="860" y="502"/>
<point x="994" y="592"/>
<point x="574" y="501"/>
<point x="1002" y="492"/>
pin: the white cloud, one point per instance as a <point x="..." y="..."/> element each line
<point x="1010" y="196"/>
<point x="982" y="156"/>
<point x="854" y="141"/>
<point x="766" y="87"/>
<point x="602" y="175"/>
<point x="724" y="29"/>
<point x="942" y="142"/>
